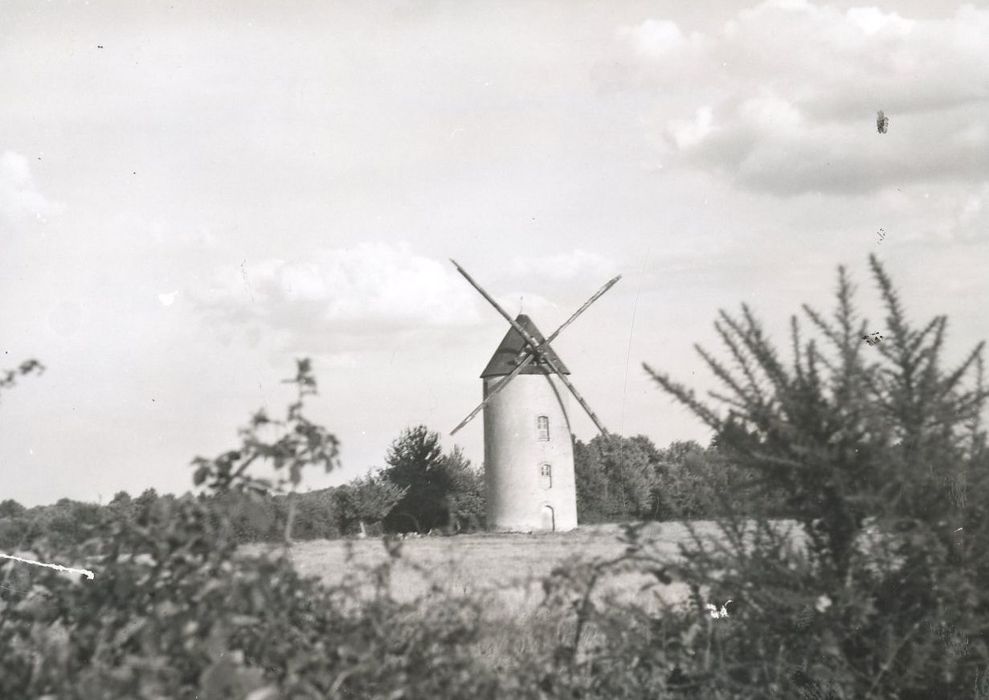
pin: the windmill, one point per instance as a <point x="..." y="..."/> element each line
<point x="528" y="449"/>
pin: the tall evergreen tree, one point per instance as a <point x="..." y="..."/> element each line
<point x="416" y="463"/>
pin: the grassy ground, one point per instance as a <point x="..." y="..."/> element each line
<point x="506" y="569"/>
<point x="478" y="562"/>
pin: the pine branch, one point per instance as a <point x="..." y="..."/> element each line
<point x="795" y="343"/>
<point x="763" y="351"/>
<point x="896" y="321"/>
<point x="737" y="353"/>
<point x="845" y="313"/>
<point x="822" y="325"/>
<point x="722" y="373"/>
<point x="685" y="396"/>
<point x="973" y="359"/>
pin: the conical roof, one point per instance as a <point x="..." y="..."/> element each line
<point x="512" y="348"/>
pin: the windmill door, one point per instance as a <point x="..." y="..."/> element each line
<point x="548" y="520"/>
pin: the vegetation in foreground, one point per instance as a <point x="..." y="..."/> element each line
<point x="877" y="450"/>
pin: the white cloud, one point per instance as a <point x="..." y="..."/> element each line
<point x="20" y="199"/>
<point x="872" y="20"/>
<point x="783" y="97"/>
<point x="368" y="289"/>
<point x="769" y="112"/>
<point x="346" y="300"/>
<point x="966" y="215"/>
<point x="654" y="37"/>
<point x="688" y="133"/>
<point x="564" y="266"/>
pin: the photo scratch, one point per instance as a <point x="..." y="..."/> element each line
<point x="58" y="567"/>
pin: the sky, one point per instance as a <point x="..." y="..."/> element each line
<point x="194" y="194"/>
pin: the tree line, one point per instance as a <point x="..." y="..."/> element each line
<point x="424" y="489"/>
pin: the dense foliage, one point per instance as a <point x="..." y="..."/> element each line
<point x="439" y="490"/>
<point x="621" y="479"/>
<point x="174" y="611"/>
<point x="880" y="454"/>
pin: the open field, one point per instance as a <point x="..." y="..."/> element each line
<point x="505" y="570"/>
<point x="475" y="563"/>
<point x="486" y="561"/>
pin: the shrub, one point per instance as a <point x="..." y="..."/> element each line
<point x="879" y="453"/>
<point x="173" y="612"/>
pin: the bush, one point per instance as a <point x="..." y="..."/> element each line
<point x="871" y="444"/>
<point x="174" y="612"/>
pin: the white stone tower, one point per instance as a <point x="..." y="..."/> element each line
<point x="528" y="447"/>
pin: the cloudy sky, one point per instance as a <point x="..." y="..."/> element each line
<point x="192" y="194"/>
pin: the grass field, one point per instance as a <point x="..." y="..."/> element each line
<point x="474" y="563"/>
<point x="505" y="569"/>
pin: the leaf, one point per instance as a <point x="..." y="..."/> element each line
<point x="200" y="475"/>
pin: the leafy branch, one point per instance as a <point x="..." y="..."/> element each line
<point x="300" y="442"/>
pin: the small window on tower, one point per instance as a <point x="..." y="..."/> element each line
<point x="542" y="428"/>
<point x="546" y="475"/>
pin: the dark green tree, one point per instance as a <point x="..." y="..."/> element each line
<point x="9" y="508"/>
<point x="615" y="477"/>
<point x="121" y="498"/>
<point x="315" y="515"/>
<point x="593" y="503"/>
<point x="678" y="486"/>
<point x="365" y="502"/>
<point x="466" y="500"/>
<point x="630" y="464"/>
<point x="14" y="523"/>
<point x="148" y="496"/>
<point x="416" y="464"/>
